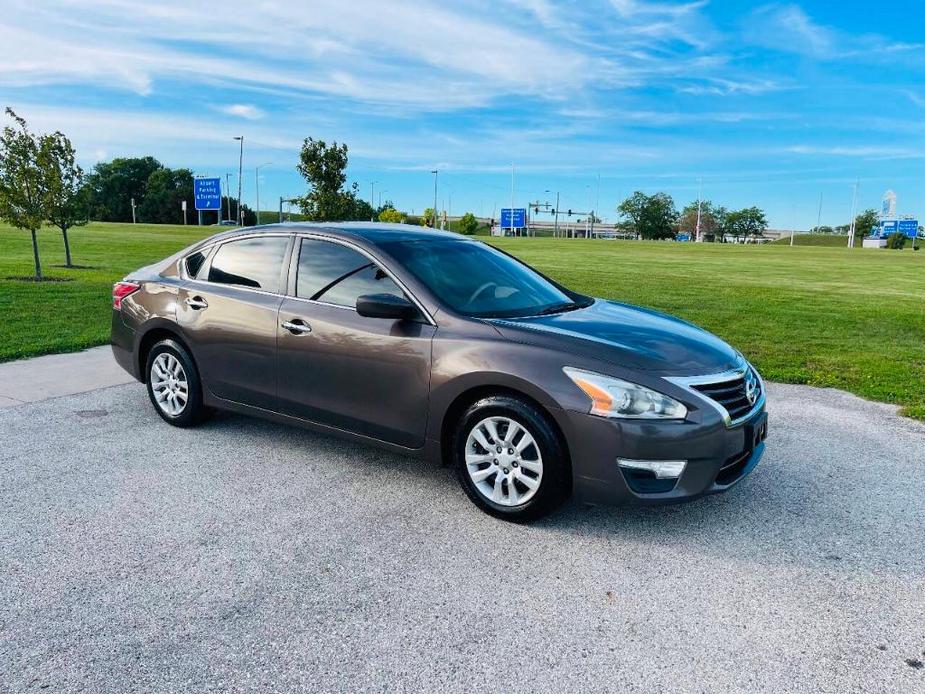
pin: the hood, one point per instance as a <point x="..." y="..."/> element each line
<point x="628" y="336"/>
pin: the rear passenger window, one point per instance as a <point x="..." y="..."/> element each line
<point x="339" y="275"/>
<point x="194" y="263"/>
<point x="255" y="262"/>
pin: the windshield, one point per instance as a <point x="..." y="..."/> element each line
<point x="476" y="280"/>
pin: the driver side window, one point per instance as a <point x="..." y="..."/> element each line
<point x="336" y="274"/>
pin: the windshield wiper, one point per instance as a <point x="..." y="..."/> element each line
<point x="559" y="308"/>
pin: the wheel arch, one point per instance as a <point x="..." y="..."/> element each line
<point x="472" y="394"/>
<point x="161" y="331"/>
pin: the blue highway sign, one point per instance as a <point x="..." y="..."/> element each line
<point x="208" y="193"/>
<point x="519" y="220"/>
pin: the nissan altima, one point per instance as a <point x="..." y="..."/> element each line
<point x="442" y="347"/>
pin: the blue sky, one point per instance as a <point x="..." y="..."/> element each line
<point x="772" y="105"/>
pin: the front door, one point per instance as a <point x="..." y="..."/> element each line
<point x="336" y="367"/>
<point x="229" y="317"/>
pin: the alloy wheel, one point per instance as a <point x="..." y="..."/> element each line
<point x="169" y="384"/>
<point x="504" y="461"/>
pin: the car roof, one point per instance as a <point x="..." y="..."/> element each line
<point x="373" y="232"/>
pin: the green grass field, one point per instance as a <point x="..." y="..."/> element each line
<point x="850" y="319"/>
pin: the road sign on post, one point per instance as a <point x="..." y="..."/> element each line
<point x="515" y="218"/>
<point x="207" y="193"/>
<point x="909" y="227"/>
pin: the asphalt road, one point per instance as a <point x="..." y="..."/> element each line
<point x="250" y="556"/>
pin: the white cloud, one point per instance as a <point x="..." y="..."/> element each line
<point x="915" y="98"/>
<point x="860" y="151"/>
<point x="246" y="111"/>
<point x="788" y="28"/>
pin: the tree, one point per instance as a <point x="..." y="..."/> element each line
<point x="165" y="191"/>
<point x="23" y="193"/>
<point x="710" y="217"/>
<point x="651" y="216"/>
<point x="390" y="214"/>
<point x="467" y="224"/>
<point x="112" y="186"/>
<point x="324" y="169"/>
<point x="427" y="219"/>
<point x="746" y="222"/>
<point x="66" y="197"/>
<point x="863" y="223"/>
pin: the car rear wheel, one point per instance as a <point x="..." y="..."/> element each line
<point x="509" y="459"/>
<point x="173" y="385"/>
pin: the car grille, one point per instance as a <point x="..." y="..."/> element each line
<point x="730" y="395"/>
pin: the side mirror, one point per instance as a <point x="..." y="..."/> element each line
<point x="386" y="306"/>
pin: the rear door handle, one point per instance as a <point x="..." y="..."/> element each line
<point x="197" y="302"/>
<point x="297" y="326"/>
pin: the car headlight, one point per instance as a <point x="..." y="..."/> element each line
<point x="613" y="397"/>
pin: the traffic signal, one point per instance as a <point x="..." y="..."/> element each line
<point x="569" y="213"/>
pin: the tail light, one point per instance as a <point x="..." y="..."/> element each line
<point x="120" y="290"/>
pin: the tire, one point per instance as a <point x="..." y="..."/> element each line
<point x="170" y="369"/>
<point x="520" y="487"/>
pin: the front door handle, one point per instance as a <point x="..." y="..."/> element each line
<point x="297" y="326"/>
<point x="197" y="302"/>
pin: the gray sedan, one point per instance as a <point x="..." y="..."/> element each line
<point x="439" y="346"/>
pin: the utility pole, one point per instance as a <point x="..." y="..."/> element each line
<point x="240" y="138"/>
<point x="699" y="206"/>
<point x="133" y="211"/>
<point x="435" y="173"/>
<point x="257" y="186"/>
<point x="854" y="207"/>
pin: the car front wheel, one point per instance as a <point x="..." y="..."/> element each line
<point x="509" y="459"/>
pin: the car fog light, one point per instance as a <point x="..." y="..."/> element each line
<point x="662" y="469"/>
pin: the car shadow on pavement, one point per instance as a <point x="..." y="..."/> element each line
<point x="788" y="510"/>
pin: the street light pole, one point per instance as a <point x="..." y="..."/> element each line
<point x="435" y="173"/>
<point x="372" y="195"/>
<point x="854" y="208"/>
<point x="257" y="186"/>
<point x="240" y="138"/>
<point x="512" y="198"/>
<point x="699" y="205"/>
<point x="228" y="193"/>
<point x="556" y="223"/>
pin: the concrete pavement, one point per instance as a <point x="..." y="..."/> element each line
<point x="250" y="556"/>
<point x="55" y="375"/>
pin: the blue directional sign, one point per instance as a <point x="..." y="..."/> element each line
<point x="208" y="193"/>
<point x="887" y="227"/>
<point x="516" y="221"/>
<point x="909" y="227"/>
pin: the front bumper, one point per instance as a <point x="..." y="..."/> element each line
<point x="717" y="457"/>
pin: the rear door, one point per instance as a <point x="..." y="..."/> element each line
<point x="366" y="375"/>
<point x="229" y="311"/>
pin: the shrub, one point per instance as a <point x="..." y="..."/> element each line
<point x="467" y="224"/>
<point x="896" y="241"/>
<point x="390" y="214"/>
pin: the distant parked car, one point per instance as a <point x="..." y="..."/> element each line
<point x="435" y="345"/>
<point x="227" y="223"/>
